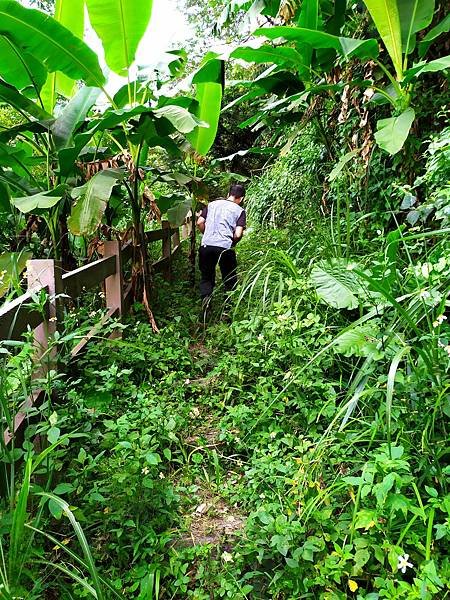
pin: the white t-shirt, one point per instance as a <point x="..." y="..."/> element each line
<point x="222" y="217"/>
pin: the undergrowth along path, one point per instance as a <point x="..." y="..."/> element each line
<point x="157" y="473"/>
<point x="215" y="467"/>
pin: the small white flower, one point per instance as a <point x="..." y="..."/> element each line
<point x="262" y="496"/>
<point x="92" y="314"/>
<point x="426" y="269"/>
<point x="145" y="471"/>
<point x="53" y="319"/>
<point x="272" y="435"/>
<point x="161" y="475"/>
<point x="379" y="232"/>
<point x="227" y="557"/>
<point x="403" y="563"/>
<point x="187" y="381"/>
<point x="424" y="294"/>
<point x="439" y="320"/>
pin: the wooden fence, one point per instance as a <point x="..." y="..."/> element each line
<point x="18" y="316"/>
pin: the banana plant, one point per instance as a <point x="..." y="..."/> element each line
<point x="397" y="22"/>
<point x="65" y="163"/>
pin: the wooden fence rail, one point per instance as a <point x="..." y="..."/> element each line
<point x="46" y="276"/>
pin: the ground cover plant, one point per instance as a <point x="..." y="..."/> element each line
<point x="294" y="443"/>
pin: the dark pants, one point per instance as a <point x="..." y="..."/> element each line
<point x="208" y="258"/>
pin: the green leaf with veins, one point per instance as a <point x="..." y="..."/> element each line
<point x="41" y="201"/>
<point x="49" y="42"/>
<point x="120" y="24"/>
<point x="91" y="200"/>
<point x="391" y="133"/>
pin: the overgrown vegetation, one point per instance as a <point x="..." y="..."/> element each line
<point x="300" y="451"/>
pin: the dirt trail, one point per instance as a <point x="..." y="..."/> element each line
<point x="211" y="520"/>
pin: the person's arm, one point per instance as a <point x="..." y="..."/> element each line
<point x="201" y="222"/>
<point x="240" y="226"/>
<point x="238" y="233"/>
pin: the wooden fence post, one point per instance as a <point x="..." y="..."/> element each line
<point x="114" y="283"/>
<point x="167" y="250"/>
<point x="41" y="273"/>
<point x="176" y="237"/>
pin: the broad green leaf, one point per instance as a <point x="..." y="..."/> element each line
<point x="439" y="64"/>
<point x="348" y="47"/>
<point x="336" y="284"/>
<point x="136" y="91"/>
<point x="53" y="434"/>
<point x="152" y="458"/>
<point x="209" y="88"/>
<point x="177" y="214"/>
<point x="49" y="42"/>
<point x="40" y="201"/>
<point x="20" y="68"/>
<point x="11" y="266"/>
<point x="359" y="341"/>
<point x="12" y="96"/>
<point x="177" y="64"/>
<point x="391" y="95"/>
<point x="279" y="55"/>
<point x="381" y="489"/>
<point x="309" y="19"/>
<point x="440" y="28"/>
<point x="72" y="114"/>
<point x="120" y="24"/>
<point x="181" y="119"/>
<point x="391" y="133"/>
<point x="7" y="135"/>
<point x="337" y="169"/>
<point x="361" y="557"/>
<point x="110" y="119"/>
<point x="271" y="8"/>
<point x="91" y="200"/>
<point x="414" y="15"/>
<point x="336" y="22"/>
<point x="69" y="13"/>
<point x="5" y="201"/>
<point x="18" y="158"/>
<point x="55" y="509"/>
<point x="166" y="143"/>
<point x="386" y="17"/>
<point x="366" y="519"/>
<point x="167" y="201"/>
<point x="148" y="130"/>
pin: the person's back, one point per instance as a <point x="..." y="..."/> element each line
<point x="222" y="223"/>
<point x="221" y="219"/>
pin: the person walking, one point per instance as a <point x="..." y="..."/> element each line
<point x="222" y="224"/>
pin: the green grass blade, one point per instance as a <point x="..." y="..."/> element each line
<point x="18" y="524"/>
<point x="390" y="391"/>
<point x="82" y="541"/>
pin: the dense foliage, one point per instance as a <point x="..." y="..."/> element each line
<point x="300" y="450"/>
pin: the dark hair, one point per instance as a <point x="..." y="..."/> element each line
<point x="237" y="190"/>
